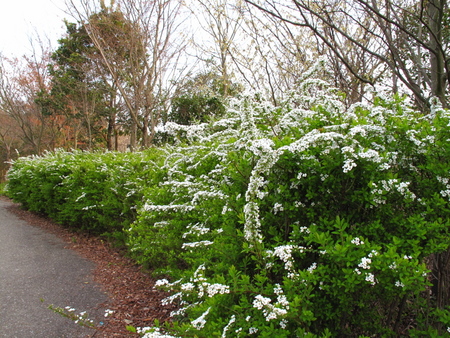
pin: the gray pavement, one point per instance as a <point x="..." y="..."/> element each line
<point x="35" y="271"/>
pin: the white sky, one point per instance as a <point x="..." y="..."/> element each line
<point x="22" y="20"/>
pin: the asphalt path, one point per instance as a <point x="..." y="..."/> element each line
<point x="36" y="270"/>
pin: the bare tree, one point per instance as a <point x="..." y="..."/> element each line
<point x="405" y="37"/>
<point x="220" y="21"/>
<point x="20" y="81"/>
<point x="135" y="42"/>
<point x="8" y="139"/>
<point x="274" y="56"/>
<point x="269" y="55"/>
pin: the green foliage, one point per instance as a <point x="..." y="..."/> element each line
<point x="3" y="188"/>
<point x="307" y="219"/>
<point x="98" y="192"/>
<point x="195" y="109"/>
<point x="303" y="219"/>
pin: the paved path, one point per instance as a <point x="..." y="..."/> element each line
<point x="35" y="271"/>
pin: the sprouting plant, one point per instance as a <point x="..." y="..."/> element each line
<point x="80" y="318"/>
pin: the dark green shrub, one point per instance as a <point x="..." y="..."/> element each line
<point x="98" y="192"/>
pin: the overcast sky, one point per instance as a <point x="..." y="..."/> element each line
<point x="21" y="19"/>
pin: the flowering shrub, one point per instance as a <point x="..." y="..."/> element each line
<point x="303" y="219"/>
<point x="306" y="219"/>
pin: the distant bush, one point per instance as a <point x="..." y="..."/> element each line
<point x="305" y="219"/>
<point x="98" y="192"/>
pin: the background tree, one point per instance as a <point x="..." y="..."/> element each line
<point x="200" y="97"/>
<point x="407" y="39"/>
<point x="78" y="93"/>
<point x="220" y="22"/>
<point x="276" y="55"/>
<point x="20" y="81"/>
<point x="8" y="142"/>
<point x="135" y="42"/>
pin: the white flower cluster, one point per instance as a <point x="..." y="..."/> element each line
<point x="312" y="267"/>
<point x="162" y="282"/>
<point x="195" y="131"/>
<point x="200" y="322"/>
<point x="252" y="223"/>
<point x="199" y="195"/>
<point x="370" y="154"/>
<point x="196" y="229"/>
<point x="312" y="138"/>
<point x="349" y="164"/>
<point x="370" y="278"/>
<point x="108" y="312"/>
<point x="227" y="327"/>
<point x="284" y="253"/>
<point x="277" y="207"/>
<point x="365" y="263"/>
<point x="254" y="193"/>
<point x="172" y="298"/>
<point x="412" y="136"/>
<point x="81" y="317"/>
<point x="386" y="186"/>
<point x="357" y="241"/>
<point x="152" y="332"/>
<point x="445" y="182"/>
<point x="270" y="311"/>
<point x="216" y="288"/>
<point x="161" y="224"/>
<point x="261" y="146"/>
<point x="197" y="285"/>
<point x="304" y="230"/>
<point x="273" y="311"/>
<point x="399" y="284"/>
<point x="196" y="244"/>
<point x="182" y="208"/>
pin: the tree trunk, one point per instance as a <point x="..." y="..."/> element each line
<point x="133" y="135"/>
<point x="111" y="131"/>
<point x="437" y="72"/>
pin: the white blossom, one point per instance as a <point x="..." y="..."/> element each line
<point x="370" y="278"/>
<point x="108" y="312"/>
<point x="200" y="322"/>
<point x="277" y="207"/>
<point x="365" y="263"/>
<point x="253" y="330"/>
<point x="357" y="241"/>
<point x="227" y="327"/>
<point x="196" y="244"/>
<point x="399" y="284"/>
<point x="312" y="267"/>
<point x="171" y="299"/>
<point x="349" y="164"/>
<point x="214" y="289"/>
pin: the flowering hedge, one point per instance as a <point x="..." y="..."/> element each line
<point x="303" y="219"/>
<point x="306" y="219"/>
